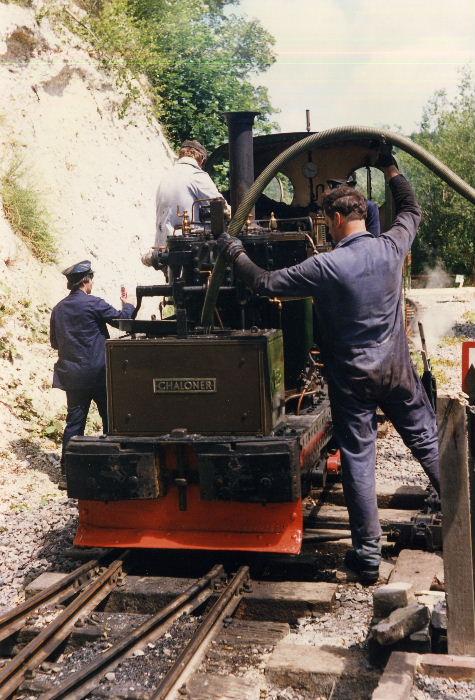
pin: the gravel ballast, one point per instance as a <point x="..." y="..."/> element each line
<point x="38" y="522"/>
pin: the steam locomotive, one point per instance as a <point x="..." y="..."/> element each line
<point x="218" y="433"/>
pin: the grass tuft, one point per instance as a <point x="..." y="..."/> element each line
<point x="22" y="3"/>
<point x="26" y="212"/>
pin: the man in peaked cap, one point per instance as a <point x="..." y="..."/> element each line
<point x="372" y="212"/>
<point x="78" y="331"/>
<point x="181" y="187"/>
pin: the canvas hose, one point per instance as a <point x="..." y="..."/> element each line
<point x="323" y="138"/>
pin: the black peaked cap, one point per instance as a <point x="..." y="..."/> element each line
<point x="80" y="268"/>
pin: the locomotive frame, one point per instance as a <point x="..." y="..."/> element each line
<point x="226" y="457"/>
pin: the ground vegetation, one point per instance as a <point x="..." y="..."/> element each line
<point x="26" y="212"/>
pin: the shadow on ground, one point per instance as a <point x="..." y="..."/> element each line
<point x="464" y="330"/>
<point x="39" y="459"/>
<point x="50" y="557"/>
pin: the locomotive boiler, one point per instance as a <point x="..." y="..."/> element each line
<point x="218" y="430"/>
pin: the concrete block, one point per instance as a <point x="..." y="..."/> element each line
<point x="401" y="623"/>
<point x="286" y="602"/>
<point x="398" y="677"/>
<point x="44" y="581"/>
<point x="430" y="598"/>
<point x="313" y="669"/>
<point x="394" y="595"/>
<point x="439" y="616"/>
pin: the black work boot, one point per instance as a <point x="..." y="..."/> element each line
<point x="368" y="573"/>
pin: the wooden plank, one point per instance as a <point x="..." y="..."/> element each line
<point x="207" y="686"/>
<point x="458" y="523"/>
<point x="339" y="514"/>
<point x="398" y="677"/>
<point x="458" y="668"/>
<point x="146" y="594"/>
<point x="273" y="601"/>
<point x="252" y="633"/>
<point x="417" y="567"/>
<point x="389" y="495"/>
<point x="42" y="582"/>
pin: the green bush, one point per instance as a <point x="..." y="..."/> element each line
<point x="26" y="212"/>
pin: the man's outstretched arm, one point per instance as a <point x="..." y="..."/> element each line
<point x="299" y="280"/>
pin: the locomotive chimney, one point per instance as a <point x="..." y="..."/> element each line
<point x="241" y="154"/>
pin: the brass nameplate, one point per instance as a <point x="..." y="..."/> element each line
<point x="185" y="385"/>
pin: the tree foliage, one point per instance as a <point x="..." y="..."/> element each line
<point x="447" y="232"/>
<point x="210" y="57"/>
<point x="200" y="60"/>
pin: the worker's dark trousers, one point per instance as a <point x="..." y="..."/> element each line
<point x="354" y="399"/>
<point x="79" y="402"/>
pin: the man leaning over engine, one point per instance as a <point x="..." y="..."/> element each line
<point x="180" y="190"/>
<point x="363" y="343"/>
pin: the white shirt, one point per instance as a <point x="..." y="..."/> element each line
<point x="182" y="186"/>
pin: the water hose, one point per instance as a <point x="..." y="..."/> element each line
<point x="323" y="138"/>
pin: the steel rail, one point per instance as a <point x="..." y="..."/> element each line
<point x="40" y="648"/>
<point x="192" y="654"/>
<point x="79" y="684"/>
<point x="13" y="620"/>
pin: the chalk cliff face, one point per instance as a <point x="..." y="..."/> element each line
<point x="97" y="172"/>
<point x="97" y="175"/>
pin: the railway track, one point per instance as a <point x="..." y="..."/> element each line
<point x="103" y="630"/>
<point x="87" y="596"/>
<point x="88" y="586"/>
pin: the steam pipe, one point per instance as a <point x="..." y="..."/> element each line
<point x="324" y="138"/>
<point x="241" y="154"/>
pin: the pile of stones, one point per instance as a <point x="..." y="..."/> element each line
<point x="407" y="621"/>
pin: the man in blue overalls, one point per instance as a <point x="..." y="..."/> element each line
<point x="357" y="287"/>
<point x="78" y="331"/>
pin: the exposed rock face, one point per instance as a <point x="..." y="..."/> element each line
<point x="97" y="175"/>
<point x="97" y="172"/>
